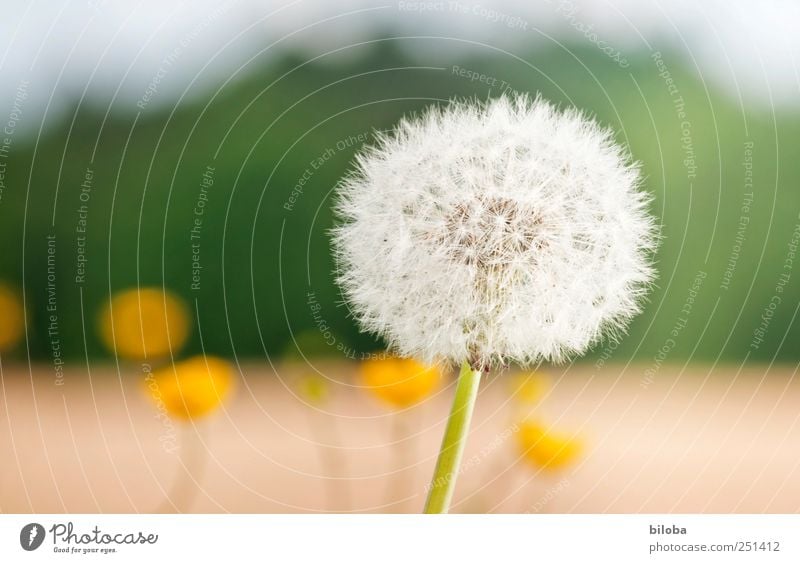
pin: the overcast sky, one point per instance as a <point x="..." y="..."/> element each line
<point x="53" y="52"/>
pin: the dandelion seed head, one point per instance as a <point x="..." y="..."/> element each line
<point x="505" y="232"/>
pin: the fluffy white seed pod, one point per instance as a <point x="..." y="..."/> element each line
<point x="494" y="233"/>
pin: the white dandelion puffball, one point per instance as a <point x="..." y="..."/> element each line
<point x="493" y="233"/>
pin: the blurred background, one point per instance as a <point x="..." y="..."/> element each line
<point x="166" y="171"/>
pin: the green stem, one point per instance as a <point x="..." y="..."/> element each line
<point x="446" y="472"/>
<point x="193" y="459"/>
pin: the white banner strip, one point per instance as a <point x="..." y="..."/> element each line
<point x="402" y="538"/>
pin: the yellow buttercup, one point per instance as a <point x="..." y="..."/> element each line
<point x="529" y="388"/>
<point x="146" y="323"/>
<point x="547" y="448"/>
<point x="314" y="388"/>
<point x="401" y="382"/>
<point x="12" y="318"/>
<point x="193" y="388"/>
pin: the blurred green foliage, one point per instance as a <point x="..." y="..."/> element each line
<point x="267" y="270"/>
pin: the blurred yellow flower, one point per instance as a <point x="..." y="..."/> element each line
<point x="400" y="382"/>
<point x="194" y="387"/>
<point x="144" y="323"/>
<point x="529" y="388"/>
<point x="314" y="388"/>
<point x="545" y="448"/>
<point x="12" y="318"/>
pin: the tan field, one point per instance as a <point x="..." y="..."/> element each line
<point x="698" y="439"/>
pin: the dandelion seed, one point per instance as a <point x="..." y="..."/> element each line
<point x="496" y="234"/>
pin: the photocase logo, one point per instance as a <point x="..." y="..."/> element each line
<point x="31" y="536"/>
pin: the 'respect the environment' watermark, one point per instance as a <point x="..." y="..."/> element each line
<point x="478" y="77"/>
<point x="51" y="305"/>
<point x="744" y="217"/>
<point x="170" y="60"/>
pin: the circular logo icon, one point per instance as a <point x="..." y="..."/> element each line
<point x="31" y="536"/>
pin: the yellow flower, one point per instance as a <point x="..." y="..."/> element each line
<point x="399" y="381"/>
<point x="545" y="448"/>
<point x="194" y="387"/>
<point x="144" y="323"/>
<point x="12" y="318"/>
<point x="314" y="388"/>
<point x="529" y="388"/>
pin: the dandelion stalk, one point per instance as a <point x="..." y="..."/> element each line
<point x="510" y="232"/>
<point x="186" y="484"/>
<point x="188" y="391"/>
<point x="403" y="458"/>
<point x="455" y="438"/>
<point x="333" y="463"/>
